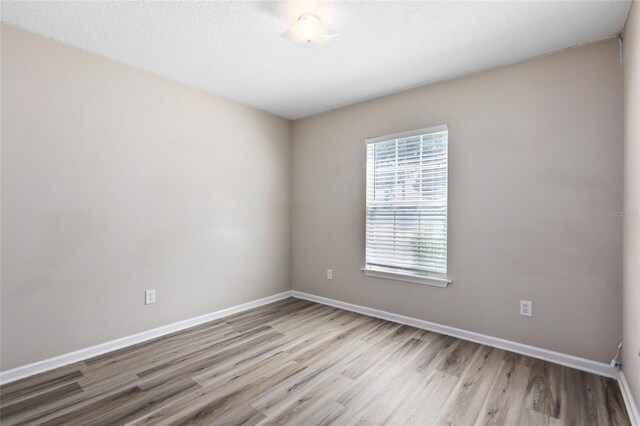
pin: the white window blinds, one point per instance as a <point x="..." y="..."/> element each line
<point x="407" y="201"/>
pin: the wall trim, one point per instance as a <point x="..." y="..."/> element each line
<point x="578" y="363"/>
<point x="632" y="409"/>
<point x="532" y="351"/>
<point x="99" y="349"/>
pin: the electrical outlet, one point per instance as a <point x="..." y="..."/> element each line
<point x="329" y="274"/>
<point x="150" y="296"/>
<point x="526" y="308"/>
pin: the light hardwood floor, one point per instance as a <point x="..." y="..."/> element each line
<point x="297" y="362"/>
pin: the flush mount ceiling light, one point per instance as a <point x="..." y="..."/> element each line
<point x="309" y="31"/>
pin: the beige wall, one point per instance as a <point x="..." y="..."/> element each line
<point x="631" y="292"/>
<point x="535" y="157"/>
<point x="115" y="181"/>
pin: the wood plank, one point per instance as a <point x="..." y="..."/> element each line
<point x="505" y="400"/>
<point x="27" y="404"/>
<point x="533" y="418"/>
<point x="613" y="402"/>
<point x="544" y="390"/>
<point x="423" y="404"/>
<point x="458" y="359"/>
<point x="465" y="402"/>
<point x="364" y="397"/>
<point x="33" y="388"/>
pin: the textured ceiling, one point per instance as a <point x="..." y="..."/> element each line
<point x="233" y="49"/>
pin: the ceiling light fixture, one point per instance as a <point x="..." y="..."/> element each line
<point x="309" y="31"/>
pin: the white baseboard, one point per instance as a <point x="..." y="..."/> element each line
<point x="559" y="358"/>
<point x="632" y="409"/>
<point x="86" y="353"/>
<point x="578" y="363"/>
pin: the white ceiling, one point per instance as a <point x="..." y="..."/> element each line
<point x="233" y="49"/>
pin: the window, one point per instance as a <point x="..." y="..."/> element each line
<point x="406" y="221"/>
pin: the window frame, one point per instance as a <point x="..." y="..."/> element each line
<point x="413" y="276"/>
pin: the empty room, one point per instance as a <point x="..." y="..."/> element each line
<point x="320" y="213"/>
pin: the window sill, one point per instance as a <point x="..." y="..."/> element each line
<point x="406" y="276"/>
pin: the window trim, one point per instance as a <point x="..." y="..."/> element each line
<point x="398" y="274"/>
<point x="410" y="133"/>
<point x="431" y="278"/>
